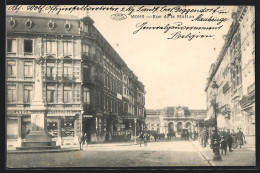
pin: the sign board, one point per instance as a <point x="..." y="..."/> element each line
<point x="119" y="96"/>
<point x="87" y="116"/>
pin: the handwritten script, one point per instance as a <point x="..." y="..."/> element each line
<point x="184" y="22"/>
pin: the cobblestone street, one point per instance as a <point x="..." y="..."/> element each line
<point x="163" y="153"/>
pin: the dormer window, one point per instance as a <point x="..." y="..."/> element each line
<point x="67" y="25"/>
<point x="11" y="22"/>
<point x="83" y="26"/>
<point x="28" y="23"/>
<point x="51" y="24"/>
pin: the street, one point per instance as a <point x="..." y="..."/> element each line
<point x="162" y="153"/>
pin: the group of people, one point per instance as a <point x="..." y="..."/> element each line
<point x="225" y="138"/>
<point x="143" y="137"/>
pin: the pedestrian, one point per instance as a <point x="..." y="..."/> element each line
<point x="81" y="141"/>
<point x="155" y="137"/>
<point x="240" y="138"/>
<point x="223" y="145"/>
<point x="86" y="138"/>
<point x="229" y="140"/>
<point x="145" y="138"/>
<point x="203" y="138"/>
<point x="206" y="137"/>
<point x="141" y="138"/>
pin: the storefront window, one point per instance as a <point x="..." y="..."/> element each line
<point x="12" y="129"/>
<point x="52" y="128"/>
<point x="67" y="127"/>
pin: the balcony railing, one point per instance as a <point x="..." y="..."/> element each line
<point x="251" y="88"/>
<point x="64" y="77"/>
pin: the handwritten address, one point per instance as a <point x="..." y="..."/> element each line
<point x="208" y="18"/>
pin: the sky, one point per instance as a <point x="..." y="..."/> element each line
<point x="174" y="72"/>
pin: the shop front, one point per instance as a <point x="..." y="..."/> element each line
<point x="13" y="134"/>
<point x="64" y="127"/>
<point x="94" y="125"/>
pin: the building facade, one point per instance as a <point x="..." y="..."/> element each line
<point x="234" y="72"/>
<point x="87" y="87"/>
<point x="174" y="119"/>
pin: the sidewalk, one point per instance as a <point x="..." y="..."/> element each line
<point x="245" y="156"/>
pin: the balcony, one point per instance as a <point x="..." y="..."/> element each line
<point x="63" y="105"/>
<point x="225" y="88"/>
<point x="247" y="101"/>
<point x="68" y="77"/>
<point x="64" y="77"/>
<point x="251" y="88"/>
<point x="89" y="56"/>
<point x="18" y="105"/>
<point x="225" y="109"/>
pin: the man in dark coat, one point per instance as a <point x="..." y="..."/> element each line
<point x="203" y="138"/>
<point x="240" y="138"/>
<point x="141" y="137"/>
<point x="229" y="140"/>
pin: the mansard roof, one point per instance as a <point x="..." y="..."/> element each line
<point x="40" y="23"/>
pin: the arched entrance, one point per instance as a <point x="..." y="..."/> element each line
<point x="179" y="128"/>
<point x="188" y="126"/>
<point x="170" y="127"/>
<point x="170" y="130"/>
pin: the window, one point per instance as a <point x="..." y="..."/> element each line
<point x="67" y="94"/>
<point x="50" y="70"/>
<point x="85" y="49"/>
<point x="68" y="47"/>
<point x="76" y="70"/>
<point x="11" y="45"/>
<point x="11" y="68"/>
<point x="77" y="93"/>
<point x="83" y="26"/>
<point x="28" y="94"/>
<point x="50" y="94"/>
<point x="28" y="68"/>
<point x="86" y="96"/>
<point x="51" y="48"/>
<point x="86" y="72"/>
<point x="11" y="94"/>
<point x="59" y="93"/>
<point x="68" y="70"/>
<point x="28" y="46"/>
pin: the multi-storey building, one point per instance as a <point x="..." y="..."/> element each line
<point x="175" y="119"/>
<point x="87" y="87"/>
<point x="234" y="73"/>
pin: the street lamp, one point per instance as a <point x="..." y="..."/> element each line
<point x="135" y="130"/>
<point x="215" y="136"/>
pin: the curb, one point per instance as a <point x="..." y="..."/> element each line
<point x="202" y="156"/>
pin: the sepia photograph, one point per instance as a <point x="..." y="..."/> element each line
<point x="129" y="86"/>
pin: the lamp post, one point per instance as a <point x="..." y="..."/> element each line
<point x="135" y="130"/>
<point x="216" y="140"/>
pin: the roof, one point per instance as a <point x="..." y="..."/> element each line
<point x="40" y="23"/>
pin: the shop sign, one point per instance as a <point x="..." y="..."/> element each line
<point x="18" y="112"/>
<point x="88" y="116"/>
<point x="60" y="113"/>
<point x="119" y="96"/>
